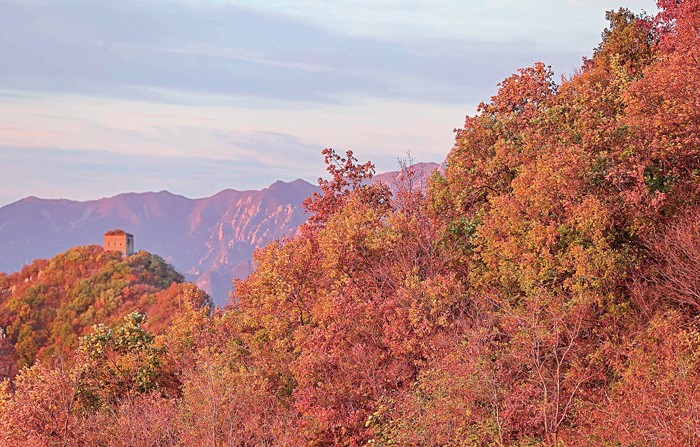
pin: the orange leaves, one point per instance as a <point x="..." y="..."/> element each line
<point x="353" y="242"/>
<point x="627" y="47"/>
<point x="42" y="410"/>
<point x="522" y="96"/>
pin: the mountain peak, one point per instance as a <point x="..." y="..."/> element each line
<point x="298" y="183"/>
<point x="212" y="238"/>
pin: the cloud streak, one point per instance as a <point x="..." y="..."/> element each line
<point x="101" y="97"/>
<point x="139" y="50"/>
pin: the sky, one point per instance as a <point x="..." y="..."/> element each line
<point x="195" y="96"/>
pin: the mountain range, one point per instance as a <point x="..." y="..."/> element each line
<point x="210" y="240"/>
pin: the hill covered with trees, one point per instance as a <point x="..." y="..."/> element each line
<point x="542" y="291"/>
<point x="49" y="304"/>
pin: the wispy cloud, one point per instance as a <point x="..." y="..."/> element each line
<point x="141" y="49"/>
<point x="194" y="95"/>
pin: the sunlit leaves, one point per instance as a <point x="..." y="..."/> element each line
<point x="118" y="363"/>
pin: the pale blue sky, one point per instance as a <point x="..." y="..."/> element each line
<point x="101" y="97"/>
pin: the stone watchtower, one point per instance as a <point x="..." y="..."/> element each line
<point x="118" y="240"/>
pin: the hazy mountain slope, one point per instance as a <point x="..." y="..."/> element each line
<point x="209" y="239"/>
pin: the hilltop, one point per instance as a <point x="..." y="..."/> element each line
<point x="50" y="303"/>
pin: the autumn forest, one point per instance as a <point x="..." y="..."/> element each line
<point x="543" y="289"/>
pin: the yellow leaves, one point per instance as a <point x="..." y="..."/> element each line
<point x="280" y="293"/>
<point x="5" y="396"/>
<point x="354" y="234"/>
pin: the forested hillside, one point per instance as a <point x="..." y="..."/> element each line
<point x="543" y="290"/>
<point x="49" y="304"/>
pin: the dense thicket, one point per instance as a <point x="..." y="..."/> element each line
<point x="543" y="291"/>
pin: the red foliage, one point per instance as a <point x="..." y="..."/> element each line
<point x="347" y="177"/>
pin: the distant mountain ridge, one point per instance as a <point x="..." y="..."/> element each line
<point x="210" y="240"/>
